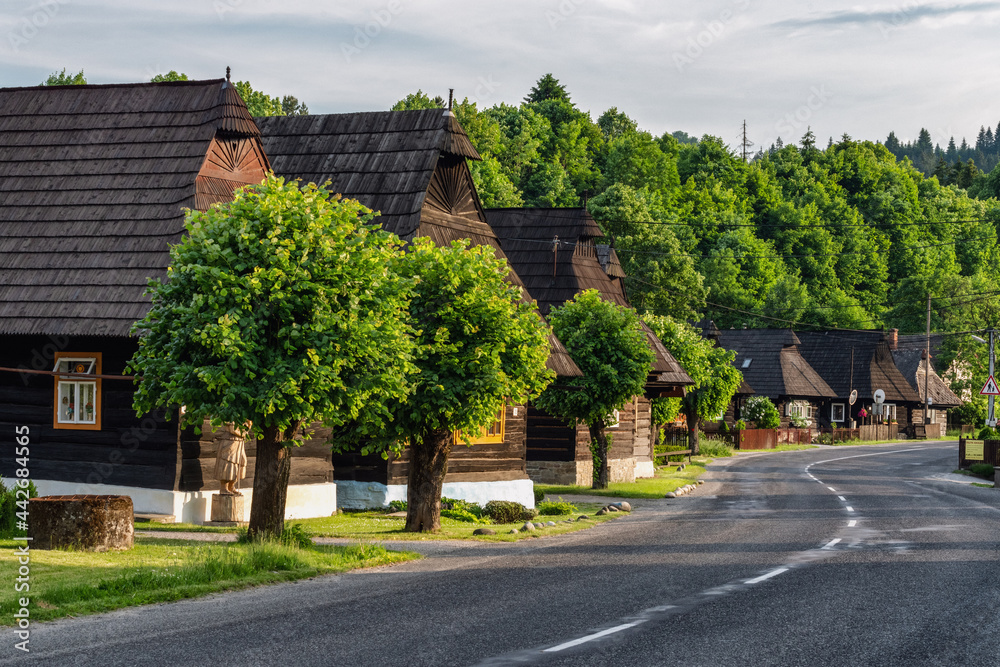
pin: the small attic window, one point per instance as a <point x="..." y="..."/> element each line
<point x="746" y="363"/>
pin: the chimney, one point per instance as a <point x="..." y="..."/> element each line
<point x="893" y="338"/>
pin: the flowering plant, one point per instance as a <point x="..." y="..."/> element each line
<point x="862" y="412"/>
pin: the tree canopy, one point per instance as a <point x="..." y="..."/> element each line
<point x="608" y="344"/>
<point x="279" y="310"/>
<point x="64" y="79"/>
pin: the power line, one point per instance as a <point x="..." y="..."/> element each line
<point x="877" y="226"/>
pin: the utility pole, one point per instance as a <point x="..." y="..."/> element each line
<point x="991" y="419"/>
<point x="927" y="353"/>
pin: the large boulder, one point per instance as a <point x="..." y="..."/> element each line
<point x="89" y="523"/>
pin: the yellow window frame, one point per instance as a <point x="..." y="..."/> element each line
<point x="493" y="433"/>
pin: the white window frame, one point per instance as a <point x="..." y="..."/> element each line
<point x="888" y="411"/>
<point x="73" y="415"/>
<point x="843" y="412"/>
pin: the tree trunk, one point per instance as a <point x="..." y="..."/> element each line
<point x="691" y="413"/>
<point x="599" y="441"/>
<point x="428" y="466"/>
<point x="270" y="485"/>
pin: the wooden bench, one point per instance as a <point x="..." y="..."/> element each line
<point x="679" y="452"/>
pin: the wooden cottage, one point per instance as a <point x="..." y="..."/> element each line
<point x="556" y="254"/>
<point x="773" y="367"/>
<point x="910" y="355"/>
<point x="831" y="352"/>
<point x="95" y="182"/>
<point x="411" y="167"/>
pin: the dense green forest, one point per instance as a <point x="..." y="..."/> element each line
<point x="848" y="236"/>
<point x="959" y="164"/>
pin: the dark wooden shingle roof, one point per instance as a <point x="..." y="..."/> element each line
<point x="771" y="363"/>
<point x="94" y="179"/>
<point x="829" y="353"/>
<point x="554" y="252"/>
<point x="911" y="365"/>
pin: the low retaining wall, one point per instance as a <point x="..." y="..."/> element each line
<point x="579" y="473"/>
<point x="369" y="495"/>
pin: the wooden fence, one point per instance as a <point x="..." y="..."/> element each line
<point x="991" y="453"/>
<point x="758" y="438"/>
<point x="795" y="436"/>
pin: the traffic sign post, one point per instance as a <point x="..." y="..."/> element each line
<point x="991" y="419"/>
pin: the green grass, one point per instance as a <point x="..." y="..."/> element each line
<point x="666" y="479"/>
<point x="379" y="526"/>
<point x="985" y="486"/>
<point x="73" y="583"/>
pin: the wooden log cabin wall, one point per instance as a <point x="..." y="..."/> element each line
<point x="95" y="182"/>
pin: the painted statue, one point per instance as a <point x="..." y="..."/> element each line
<point x="231" y="458"/>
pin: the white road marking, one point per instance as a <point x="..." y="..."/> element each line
<point x="852" y="523"/>
<point x="849" y="508"/>
<point x="590" y="638"/>
<point x="842" y="498"/>
<point x="831" y="543"/>
<point x="763" y="577"/>
<point x="832" y="489"/>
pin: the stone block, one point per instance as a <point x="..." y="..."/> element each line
<point x="88" y="523"/>
<point x="228" y="509"/>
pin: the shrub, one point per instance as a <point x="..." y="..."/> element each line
<point x="799" y="422"/>
<point x="761" y="410"/>
<point x="553" y="508"/>
<point x="504" y="511"/>
<point x="987" y="433"/>
<point x="824" y="439"/>
<point x="9" y="508"/>
<point x="462" y="515"/>
<point x="529" y="513"/>
<point x="397" y="505"/>
<point x="984" y="470"/>
<point x="462" y="505"/>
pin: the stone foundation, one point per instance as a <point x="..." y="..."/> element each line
<point x="579" y="473"/>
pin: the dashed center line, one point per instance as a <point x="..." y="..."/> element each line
<point x="832" y="489"/>
<point x="852" y="523"/>
<point x="831" y="543"/>
<point x="764" y="577"/>
<point x="590" y="638"/>
<point x="849" y="508"/>
<point x="842" y="498"/>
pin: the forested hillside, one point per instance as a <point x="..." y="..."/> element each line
<point x="848" y="236"/>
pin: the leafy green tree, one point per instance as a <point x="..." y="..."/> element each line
<point x="64" y="79"/>
<point x="608" y="344"/>
<point x="172" y="75"/>
<point x="716" y="380"/>
<point x="258" y="103"/>
<point x="418" y="100"/>
<point x="761" y="411"/>
<point x="477" y="345"/>
<point x="262" y="323"/>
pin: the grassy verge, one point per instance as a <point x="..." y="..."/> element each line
<point x="667" y="478"/>
<point x="73" y="583"/>
<point x="380" y="526"/>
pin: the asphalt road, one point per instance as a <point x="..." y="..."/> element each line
<point x="838" y="556"/>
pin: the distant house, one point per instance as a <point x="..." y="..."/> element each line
<point x="556" y="254"/>
<point x="411" y="166"/>
<point x="772" y="366"/>
<point x="910" y="356"/>
<point x="831" y="353"/>
<point x="95" y="180"/>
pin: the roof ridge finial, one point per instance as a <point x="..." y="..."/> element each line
<point x="451" y="97"/>
<point x="227" y="74"/>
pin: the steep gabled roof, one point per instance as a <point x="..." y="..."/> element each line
<point x="771" y="363"/>
<point x="94" y="181"/>
<point x="913" y="367"/>
<point x="384" y="159"/>
<point x="829" y="353"/>
<point x="553" y="251"/>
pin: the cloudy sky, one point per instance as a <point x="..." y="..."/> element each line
<point x="702" y="67"/>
